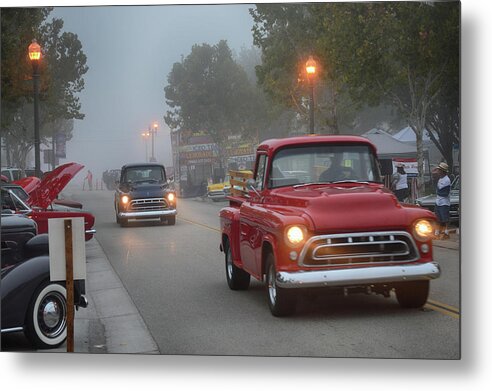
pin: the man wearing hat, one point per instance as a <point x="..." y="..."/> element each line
<point x="443" y="200"/>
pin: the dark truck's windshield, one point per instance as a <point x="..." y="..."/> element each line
<point x="144" y="174"/>
<point x="327" y="163"/>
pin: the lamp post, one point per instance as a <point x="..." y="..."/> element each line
<point x="35" y="56"/>
<point x="145" y="135"/>
<point x="311" y="73"/>
<point x="153" y="132"/>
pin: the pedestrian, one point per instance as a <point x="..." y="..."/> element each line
<point x="400" y="183"/>
<point x="443" y="201"/>
<point x="89" y="179"/>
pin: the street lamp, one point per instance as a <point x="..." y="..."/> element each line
<point x="35" y="56"/>
<point x="311" y="73"/>
<point x="145" y="135"/>
<point x="153" y="132"/>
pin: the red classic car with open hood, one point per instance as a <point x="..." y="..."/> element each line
<point x="42" y="194"/>
<point x="317" y="216"/>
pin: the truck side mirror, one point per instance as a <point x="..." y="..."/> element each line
<point x="251" y="185"/>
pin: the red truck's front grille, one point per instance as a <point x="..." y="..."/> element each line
<point x="359" y="249"/>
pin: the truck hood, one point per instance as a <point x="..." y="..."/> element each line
<point x="43" y="192"/>
<point x="346" y="207"/>
<point x="144" y="189"/>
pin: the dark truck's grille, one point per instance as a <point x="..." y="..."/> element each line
<point x="148" y="204"/>
<point x="367" y="248"/>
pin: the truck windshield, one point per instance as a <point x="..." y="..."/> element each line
<point x="144" y="174"/>
<point x="327" y="163"/>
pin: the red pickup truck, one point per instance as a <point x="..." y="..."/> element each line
<point x="315" y="214"/>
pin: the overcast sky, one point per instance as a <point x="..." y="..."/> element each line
<point x="130" y="51"/>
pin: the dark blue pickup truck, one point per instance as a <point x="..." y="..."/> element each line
<point x="143" y="192"/>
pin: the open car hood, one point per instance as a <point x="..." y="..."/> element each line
<point x="51" y="185"/>
<point x="29" y="184"/>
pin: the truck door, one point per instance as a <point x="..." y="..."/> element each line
<point x="250" y="235"/>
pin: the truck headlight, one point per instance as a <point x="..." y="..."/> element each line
<point x="125" y="199"/>
<point x="423" y="229"/>
<point x="171" y="197"/>
<point x="295" y="235"/>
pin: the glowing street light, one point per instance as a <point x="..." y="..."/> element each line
<point x="146" y="135"/>
<point x="35" y="56"/>
<point x="153" y="132"/>
<point x="311" y="73"/>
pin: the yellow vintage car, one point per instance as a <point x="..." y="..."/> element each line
<point x="219" y="191"/>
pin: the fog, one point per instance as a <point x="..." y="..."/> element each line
<point x="130" y="51"/>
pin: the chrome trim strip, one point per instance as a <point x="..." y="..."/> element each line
<point x="148" y="214"/>
<point x="358" y="276"/>
<point x="90" y="231"/>
<point x="371" y="236"/>
<point x="12" y="330"/>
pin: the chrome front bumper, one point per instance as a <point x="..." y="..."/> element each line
<point x="358" y="276"/>
<point x="149" y="214"/>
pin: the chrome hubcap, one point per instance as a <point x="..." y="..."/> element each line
<point x="52" y="315"/>
<point x="272" y="289"/>
<point x="229" y="264"/>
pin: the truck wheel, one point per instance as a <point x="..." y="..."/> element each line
<point x="412" y="294"/>
<point x="123" y="222"/>
<point x="46" y="319"/>
<point x="282" y="302"/>
<point x="237" y="279"/>
<point x="118" y="220"/>
<point x="171" y="220"/>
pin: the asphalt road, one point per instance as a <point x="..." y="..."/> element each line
<point x="175" y="275"/>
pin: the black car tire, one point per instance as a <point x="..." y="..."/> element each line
<point x="282" y="302"/>
<point x="237" y="279"/>
<point x="123" y="222"/>
<point x="46" y="318"/>
<point x="171" y="220"/>
<point x="412" y="294"/>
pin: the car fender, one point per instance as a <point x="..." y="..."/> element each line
<point x="269" y="244"/>
<point x="19" y="282"/>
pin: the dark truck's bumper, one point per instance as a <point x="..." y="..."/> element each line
<point x="358" y="276"/>
<point x="149" y="214"/>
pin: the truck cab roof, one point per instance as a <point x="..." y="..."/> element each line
<point x="272" y="145"/>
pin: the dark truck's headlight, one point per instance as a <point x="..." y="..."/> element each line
<point x="125" y="199"/>
<point x="171" y="198"/>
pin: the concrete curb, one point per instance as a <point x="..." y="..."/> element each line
<point x="111" y="323"/>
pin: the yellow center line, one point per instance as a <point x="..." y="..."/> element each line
<point x="444" y="306"/>
<point x="442" y="311"/>
<point x="431" y="304"/>
<point x="200" y="224"/>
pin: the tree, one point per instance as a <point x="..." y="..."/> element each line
<point x="61" y="78"/>
<point x="389" y="52"/>
<point x="209" y="91"/>
<point x="288" y="34"/>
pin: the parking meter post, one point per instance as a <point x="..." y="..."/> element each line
<point x="69" y="284"/>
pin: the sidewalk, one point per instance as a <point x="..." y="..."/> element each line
<point x="453" y="243"/>
<point x="111" y="322"/>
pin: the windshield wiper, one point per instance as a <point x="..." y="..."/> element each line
<point x="146" y="180"/>
<point x="350" y="181"/>
<point x="309" y="184"/>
